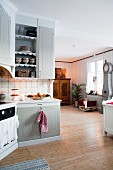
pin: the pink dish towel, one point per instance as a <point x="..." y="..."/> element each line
<point x="43" y="122"/>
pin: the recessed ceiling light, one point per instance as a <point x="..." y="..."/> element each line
<point x="73" y="45"/>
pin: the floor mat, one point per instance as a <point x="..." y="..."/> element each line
<point x="37" y="164"/>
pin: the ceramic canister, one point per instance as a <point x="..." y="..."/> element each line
<point x="32" y="60"/>
<point x="25" y="60"/>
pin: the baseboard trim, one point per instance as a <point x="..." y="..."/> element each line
<point x="39" y="141"/>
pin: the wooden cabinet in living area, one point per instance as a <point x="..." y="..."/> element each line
<point x="61" y="90"/>
<point x="7" y="33"/>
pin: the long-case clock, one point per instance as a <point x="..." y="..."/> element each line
<point x="107" y="80"/>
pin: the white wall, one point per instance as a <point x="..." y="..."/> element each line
<point x="79" y="68"/>
<point x="79" y="71"/>
<point x="67" y="66"/>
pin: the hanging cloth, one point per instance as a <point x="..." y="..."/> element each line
<point x="42" y="119"/>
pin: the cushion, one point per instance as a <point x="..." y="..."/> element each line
<point x="89" y="103"/>
<point x="80" y="103"/>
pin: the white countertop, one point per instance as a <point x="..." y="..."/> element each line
<point x="27" y="101"/>
<point x="36" y="103"/>
<point x="7" y="105"/>
<point x="45" y="100"/>
<point x="108" y="101"/>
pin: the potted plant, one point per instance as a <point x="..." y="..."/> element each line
<point x="77" y="93"/>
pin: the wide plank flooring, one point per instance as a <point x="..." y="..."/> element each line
<point x="82" y="146"/>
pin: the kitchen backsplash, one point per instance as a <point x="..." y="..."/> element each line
<point x="25" y="86"/>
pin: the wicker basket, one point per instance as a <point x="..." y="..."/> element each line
<point x="25" y="48"/>
<point x="23" y="73"/>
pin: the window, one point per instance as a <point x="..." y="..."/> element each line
<point x="95" y="76"/>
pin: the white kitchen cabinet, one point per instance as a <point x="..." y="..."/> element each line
<point x="26" y="20"/>
<point x="45" y="60"/>
<point x="53" y="117"/>
<point x="7" y="33"/>
<point x="108" y="118"/>
<point x="29" y="131"/>
<point x="46" y="53"/>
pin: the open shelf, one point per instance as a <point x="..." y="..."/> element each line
<point x="25" y="37"/>
<point x="25" y="65"/>
<point x="25" y="49"/>
<point x="24" y="53"/>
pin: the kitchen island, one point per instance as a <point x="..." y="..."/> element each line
<point x="29" y="131"/>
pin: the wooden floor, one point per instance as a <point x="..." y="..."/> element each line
<point x="82" y="146"/>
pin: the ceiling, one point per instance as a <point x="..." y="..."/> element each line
<point x="82" y="27"/>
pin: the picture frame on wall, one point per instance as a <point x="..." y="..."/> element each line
<point x="60" y="73"/>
